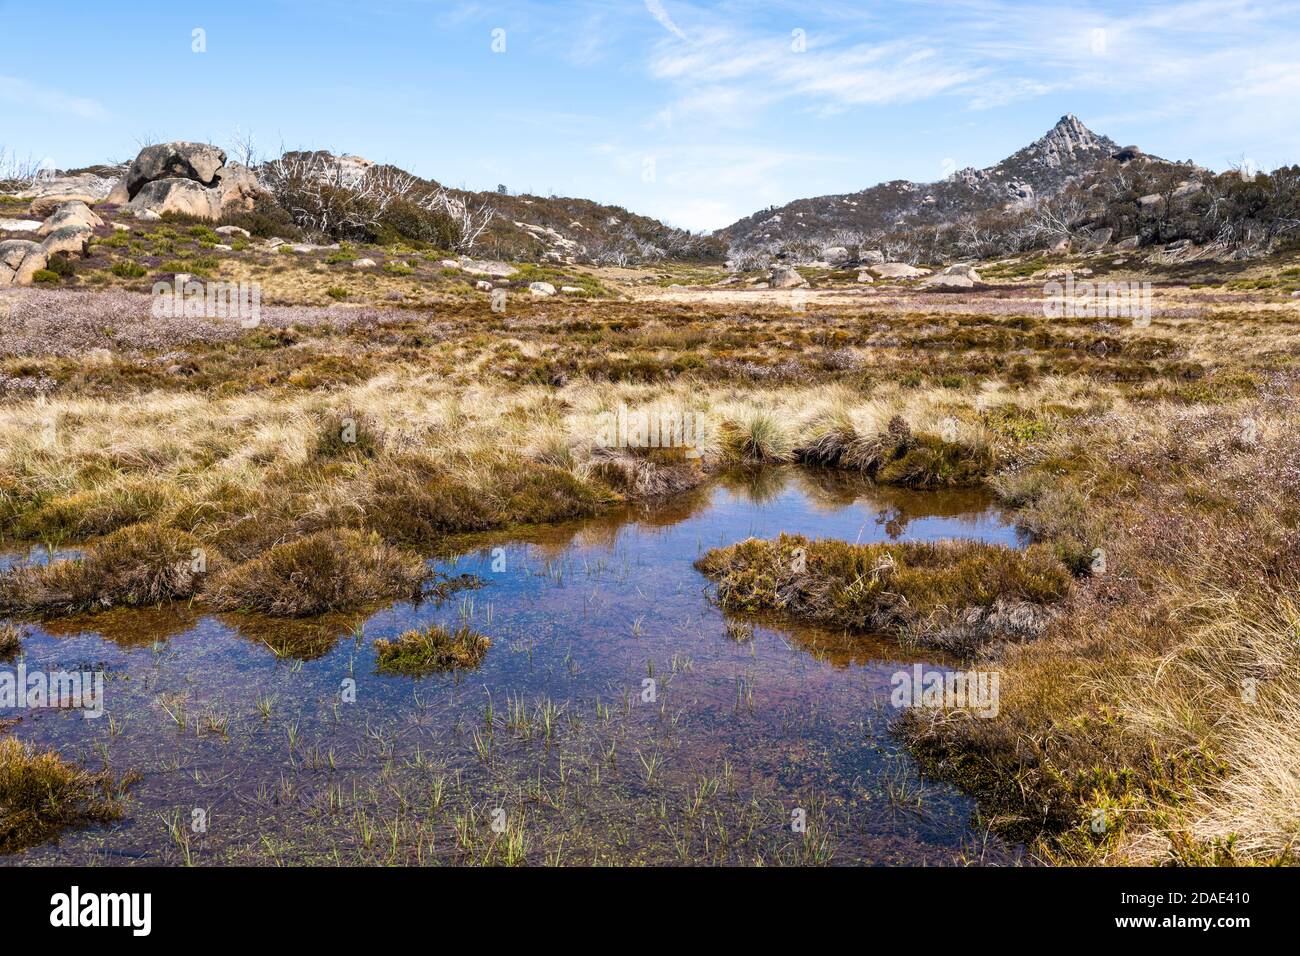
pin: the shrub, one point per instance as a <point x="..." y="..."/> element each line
<point x="382" y="205"/>
<point x="435" y="649"/>
<point x="325" y="571"/>
<point x="126" y="269"/>
<point x="265" y="220"/>
<point x="61" y="266"/>
<point x="406" y="220"/>
<point x="117" y="240"/>
<point x="203" y="234"/>
<point x="337" y="292"/>
<point x="46" y="277"/>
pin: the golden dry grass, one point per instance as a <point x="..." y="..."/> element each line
<point x="42" y="794"/>
<point x="1100" y="434"/>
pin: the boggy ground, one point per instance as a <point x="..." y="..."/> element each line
<point x="304" y="467"/>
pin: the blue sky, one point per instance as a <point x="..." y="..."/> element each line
<point x="697" y="113"/>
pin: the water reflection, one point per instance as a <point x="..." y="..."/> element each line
<point x="244" y="715"/>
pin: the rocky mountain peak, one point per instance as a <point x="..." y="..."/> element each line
<point x="1068" y="140"/>
<point x="1068" y="153"/>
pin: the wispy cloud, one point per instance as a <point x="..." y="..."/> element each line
<point x="657" y="11"/>
<point x="21" y="92"/>
<point x="704" y="186"/>
<point x="983" y="53"/>
<point x="723" y="66"/>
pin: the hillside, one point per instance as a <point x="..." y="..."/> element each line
<point x="1067" y="156"/>
<point x="1070" y="188"/>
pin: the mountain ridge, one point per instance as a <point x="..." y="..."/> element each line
<point x="1042" y="169"/>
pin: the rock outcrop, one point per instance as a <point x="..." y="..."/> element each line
<point x="19" y="261"/>
<point x="47" y="193"/>
<point x="199" y="162"/>
<point x="787" y="278"/>
<point x="898" y="270"/>
<point x="70" y="240"/>
<point x="487" y="267"/>
<point x="75" y="213"/>
<point x="189" y="178"/>
<point x="959" y="276"/>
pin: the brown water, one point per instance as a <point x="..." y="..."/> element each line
<point x="245" y="719"/>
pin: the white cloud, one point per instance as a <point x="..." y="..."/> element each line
<point x="707" y="186"/>
<point x="989" y="52"/>
<point x="23" y="93"/>
<point x="657" y="11"/>
<point x="701" y="214"/>
<point x="729" y="77"/>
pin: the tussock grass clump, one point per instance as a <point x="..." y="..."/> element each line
<point x="136" y="566"/>
<point x="325" y="571"/>
<point x="832" y="441"/>
<point x="742" y="632"/>
<point x="420" y="507"/>
<point x="953" y="594"/>
<point x="100" y="510"/>
<point x="126" y="269"/>
<point x="895" y="456"/>
<point x="347" y="434"/>
<point x="416" y="501"/>
<point x="436" y="649"/>
<point x="645" y="473"/>
<point x="930" y="462"/>
<point x="10" y="640"/>
<point x="758" y="437"/>
<point x="42" y="794"/>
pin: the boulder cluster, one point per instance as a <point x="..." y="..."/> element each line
<point x="872" y="266"/>
<point x="68" y="230"/>
<point x="190" y="178"/>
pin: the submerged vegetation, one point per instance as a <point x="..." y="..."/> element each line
<point x="433" y="649"/>
<point x="1145" y="638"/>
